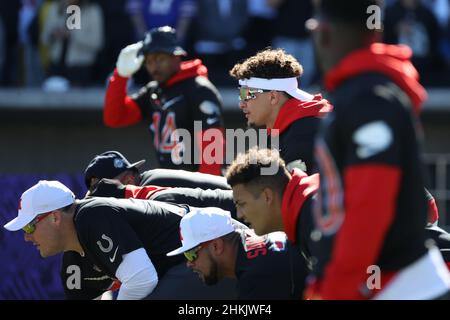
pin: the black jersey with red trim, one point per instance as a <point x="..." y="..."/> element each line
<point x="82" y="279"/>
<point x="186" y="98"/>
<point x="269" y="267"/>
<point x="373" y="207"/>
<point x="195" y="197"/>
<point x="296" y="209"/>
<point x="177" y="106"/>
<point x="107" y="229"/>
<point x="297" y="123"/>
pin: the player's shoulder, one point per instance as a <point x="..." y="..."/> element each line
<point x="371" y="91"/>
<point x="149" y="88"/>
<point x="204" y="88"/>
<point x="92" y="211"/>
<point x="303" y="127"/>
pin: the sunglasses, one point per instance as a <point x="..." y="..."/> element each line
<point x="192" y="255"/>
<point x="245" y="93"/>
<point x="31" y="227"/>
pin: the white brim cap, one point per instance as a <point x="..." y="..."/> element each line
<point x="18" y="222"/>
<point x="201" y="225"/>
<point x="43" y="197"/>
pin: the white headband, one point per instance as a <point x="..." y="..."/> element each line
<point x="288" y="85"/>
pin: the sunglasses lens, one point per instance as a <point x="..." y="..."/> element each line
<point x="190" y="255"/>
<point x="29" y="228"/>
<point x="243" y="93"/>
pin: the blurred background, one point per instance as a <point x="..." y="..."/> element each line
<point x="52" y="85"/>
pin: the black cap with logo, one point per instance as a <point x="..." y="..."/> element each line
<point x="162" y="39"/>
<point x="109" y="165"/>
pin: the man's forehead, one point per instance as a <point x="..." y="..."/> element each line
<point x="241" y="190"/>
<point x="158" y="55"/>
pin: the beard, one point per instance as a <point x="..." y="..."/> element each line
<point x="252" y="125"/>
<point x="211" y="278"/>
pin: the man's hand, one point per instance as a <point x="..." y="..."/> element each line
<point x="128" y="62"/>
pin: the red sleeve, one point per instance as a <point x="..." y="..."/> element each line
<point x="144" y="193"/>
<point x="433" y="212"/>
<point x="212" y="148"/>
<point x="120" y="110"/>
<point x="370" y="203"/>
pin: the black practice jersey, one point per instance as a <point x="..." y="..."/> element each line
<point x="371" y="184"/>
<point x="269" y="267"/>
<point x="81" y="279"/>
<point x="177" y="106"/>
<point x="109" y="228"/>
<point x="182" y="178"/>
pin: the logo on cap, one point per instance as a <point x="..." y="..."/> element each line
<point x="118" y="163"/>
<point x="20" y="205"/>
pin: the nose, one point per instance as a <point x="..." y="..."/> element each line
<point x="242" y="105"/>
<point x="189" y="264"/>
<point x="240" y="214"/>
<point x="151" y="67"/>
<point x="27" y="237"/>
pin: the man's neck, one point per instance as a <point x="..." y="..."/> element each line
<point x="276" y="110"/>
<point x="278" y="219"/>
<point x="229" y="265"/>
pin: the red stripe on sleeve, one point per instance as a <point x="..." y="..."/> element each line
<point x="433" y="212"/>
<point x="144" y="193"/>
<point x="120" y="110"/>
<point x="370" y="202"/>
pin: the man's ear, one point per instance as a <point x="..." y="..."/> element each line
<point x="269" y="196"/>
<point x="56" y="217"/>
<point x="217" y="246"/>
<point x="275" y="97"/>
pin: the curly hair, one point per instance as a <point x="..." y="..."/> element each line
<point x="268" y="64"/>
<point x="247" y="169"/>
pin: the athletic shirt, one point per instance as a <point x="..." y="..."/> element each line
<point x="269" y="267"/>
<point x="108" y="228"/>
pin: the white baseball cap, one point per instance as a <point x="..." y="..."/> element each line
<point x="43" y="197"/>
<point x="201" y="225"/>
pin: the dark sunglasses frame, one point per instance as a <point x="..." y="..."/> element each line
<point x="31" y="227"/>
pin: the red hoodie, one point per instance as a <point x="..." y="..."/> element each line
<point x="390" y="60"/>
<point x="393" y="62"/>
<point x="300" y="187"/>
<point x="294" y="109"/>
<point x="121" y="110"/>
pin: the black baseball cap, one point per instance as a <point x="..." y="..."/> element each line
<point x="162" y="39"/>
<point x="108" y="165"/>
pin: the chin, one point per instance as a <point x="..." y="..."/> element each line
<point x="259" y="231"/>
<point x="47" y="254"/>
